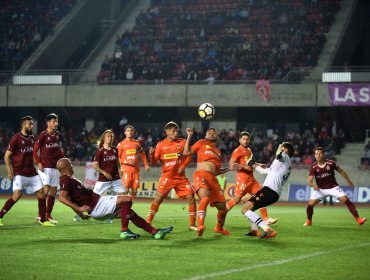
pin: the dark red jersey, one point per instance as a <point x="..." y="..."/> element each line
<point x="21" y="148"/>
<point x="324" y="176"/>
<point x="107" y="160"/>
<point x="77" y="192"/>
<point x="50" y="149"/>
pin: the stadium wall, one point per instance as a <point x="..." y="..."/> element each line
<point x="292" y="95"/>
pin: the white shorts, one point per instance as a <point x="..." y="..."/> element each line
<point x="33" y="184"/>
<point x="49" y="177"/>
<point x="111" y="186"/>
<point x="105" y="207"/>
<point x="335" y="192"/>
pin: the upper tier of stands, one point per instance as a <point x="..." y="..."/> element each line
<point x="23" y="26"/>
<point x="221" y="40"/>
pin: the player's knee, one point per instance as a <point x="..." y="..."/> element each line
<point x="41" y="194"/>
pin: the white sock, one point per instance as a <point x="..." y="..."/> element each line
<point x="255" y="218"/>
<point x="253" y="225"/>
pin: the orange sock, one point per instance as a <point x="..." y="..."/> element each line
<point x="221" y="216"/>
<point x="263" y="212"/>
<point x="202" y="210"/>
<point x="153" y="210"/>
<point x="192" y="213"/>
<point x="230" y="204"/>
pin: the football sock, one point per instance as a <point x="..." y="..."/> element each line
<point x="263" y="212"/>
<point x="125" y="214"/>
<point x="50" y="206"/>
<point x="8" y="204"/>
<point x="352" y="208"/>
<point x="221" y="215"/>
<point x="253" y="225"/>
<point x="192" y="213"/>
<point x="42" y="209"/>
<point x="202" y="210"/>
<point x="141" y="223"/>
<point x="153" y="210"/>
<point x="255" y="218"/>
<point x="230" y="204"/>
<point x="309" y="211"/>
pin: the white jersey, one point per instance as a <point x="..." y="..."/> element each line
<point x="277" y="174"/>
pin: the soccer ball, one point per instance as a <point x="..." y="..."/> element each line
<point x="206" y="111"/>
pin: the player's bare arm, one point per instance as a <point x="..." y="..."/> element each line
<point x="120" y="172"/>
<point x="187" y="150"/>
<point x="64" y="198"/>
<point x="101" y="171"/>
<point x="8" y="155"/>
<point x="311" y="183"/>
<point x="345" y="176"/>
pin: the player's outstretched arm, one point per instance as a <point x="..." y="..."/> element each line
<point x="187" y="150"/>
<point x="345" y="176"/>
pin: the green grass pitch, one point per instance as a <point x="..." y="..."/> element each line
<point x="334" y="248"/>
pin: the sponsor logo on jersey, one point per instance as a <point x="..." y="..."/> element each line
<point x="171" y="156"/>
<point x="52" y="145"/>
<point x="109" y="158"/>
<point x="27" y="150"/>
<point x="131" y="152"/>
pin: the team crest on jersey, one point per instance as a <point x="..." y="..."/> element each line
<point x="178" y="147"/>
<point x="328" y="168"/>
<point x="48" y="138"/>
<point x="22" y="142"/>
<point x="105" y="152"/>
<point x="57" y="137"/>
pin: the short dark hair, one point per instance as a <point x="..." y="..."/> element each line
<point x="170" y="125"/>
<point x="243" y="133"/>
<point x="290" y="148"/>
<point x="25" y="118"/>
<point x="320" y="149"/>
<point x="51" y="116"/>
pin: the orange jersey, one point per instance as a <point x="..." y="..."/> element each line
<point x="128" y="153"/>
<point x="207" y="151"/>
<point x="171" y="157"/>
<point x="241" y="155"/>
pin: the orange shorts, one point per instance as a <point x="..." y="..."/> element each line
<point x="207" y="180"/>
<point x="130" y="179"/>
<point x="246" y="184"/>
<point x="181" y="185"/>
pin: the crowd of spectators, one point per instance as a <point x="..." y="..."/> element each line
<point x="24" y="24"/>
<point x="80" y="144"/>
<point x="207" y="40"/>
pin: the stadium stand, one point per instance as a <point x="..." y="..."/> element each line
<point x="23" y="26"/>
<point x="220" y="40"/>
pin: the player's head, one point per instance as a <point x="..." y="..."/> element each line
<point x="26" y="125"/>
<point x="52" y="121"/>
<point x="244" y="138"/>
<point x="211" y="134"/>
<point x="288" y="148"/>
<point x="64" y="166"/>
<point x="106" y="138"/>
<point x="172" y="130"/>
<point x="129" y="131"/>
<point x="319" y="153"/>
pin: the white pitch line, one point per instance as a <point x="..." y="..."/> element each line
<point x="274" y="263"/>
